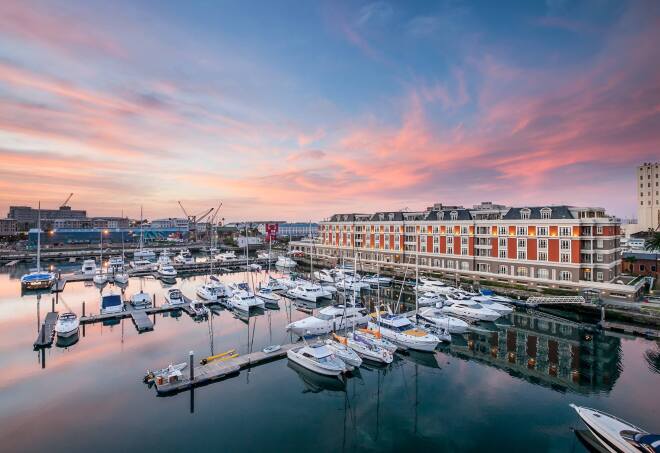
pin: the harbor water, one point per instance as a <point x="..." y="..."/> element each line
<point x="506" y="385"/>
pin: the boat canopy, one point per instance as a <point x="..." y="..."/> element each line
<point x="111" y="300"/>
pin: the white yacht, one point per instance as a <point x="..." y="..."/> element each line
<point x="67" y="325"/>
<point x="617" y="435"/>
<point x="366" y="349"/>
<point x="285" y="261"/>
<point x="430" y="299"/>
<point x="495" y="306"/>
<point x="142" y="265"/>
<point x="120" y="277"/>
<point x="328" y="319"/>
<point x="144" y="254"/>
<point x="174" y="296"/>
<point x="242" y="298"/>
<point x="338" y="346"/>
<point x="402" y="331"/>
<point x="437" y="317"/>
<point x="317" y="358"/>
<point x="274" y="285"/>
<point x="350" y="283"/>
<point x="226" y="257"/>
<point x="377" y="280"/>
<point x="324" y="275"/>
<point x="309" y="291"/>
<point x="212" y="291"/>
<point x="141" y="300"/>
<point x="166" y="271"/>
<point x="288" y="282"/>
<point x="267" y="295"/>
<point x="184" y="257"/>
<point x="471" y="310"/>
<point x="111" y="303"/>
<point x="116" y="263"/>
<point x="375" y="338"/>
<point x="164" y="258"/>
<point x="100" y="278"/>
<point x="88" y="267"/>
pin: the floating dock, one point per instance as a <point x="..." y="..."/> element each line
<point x="46" y="332"/>
<point x="220" y="369"/>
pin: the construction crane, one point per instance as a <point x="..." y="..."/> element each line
<point x="66" y="202"/>
<point x="193" y="219"/>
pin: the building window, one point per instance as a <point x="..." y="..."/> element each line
<point x="464" y="240"/>
<point x="564" y="231"/>
<point x="524" y="214"/>
<point x="522" y="243"/>
<point x="565" y="245"/>
<point x="546" y="213"/>
<point x="483" y="267"/>
<point x="522" y="231"/>
<point x="450" y="240"/>
<point x="522" y="254"/>
<point x="502" y="242"/>
<point x="599" y="257"/>
<point x="599" y="276"/>
<point x="543" y="256"/>
<point x="543" y="273"/>
<point x="464" y="251"/>
<point x="521" y="272"/>
<point x="642" y="268"/>
<point x="450" y="250"/>
<point x="453" y="215"/>
<point x="465" y="230"/>
<point x="565" y="258"/>
<point x="599" y="229"/>
<point x="543" y="243"/>
<point x="565" y="276"/>
<point x="502" y="270"/>
<point x="502" y="231"/>
<point x="542" y="231"/>
<point x="465" y="266"/>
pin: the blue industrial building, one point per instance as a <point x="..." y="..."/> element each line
<point x="70" y="236"/>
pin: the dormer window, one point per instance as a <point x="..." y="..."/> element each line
<point x="525" y="213"/>
<point x="442" y="215"/>
<point x="391" y="217"/>
<point x="546" y="213"/>
<point x="454" y="215"/>
<point x="381" y="216"/>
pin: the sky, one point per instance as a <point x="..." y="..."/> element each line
<point x="298" y="110"/>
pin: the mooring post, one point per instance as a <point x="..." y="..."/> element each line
<point x="602" y="313"/>
<point x="52" y="303"/>
<point x="83" y="308"/>
<point x="192" y="366"/>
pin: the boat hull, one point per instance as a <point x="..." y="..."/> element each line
<point x="311" y="365"/>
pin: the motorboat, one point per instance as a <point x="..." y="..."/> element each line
<point x="38" y="280"/>
<point x="318" y="358"/>
<point x="374" y="337"/>
<point x="438" y="318"/>
<point x="116" y="263"/>
<point x="242" y="298"/>
<point x="226" y="257"/>
<point x="285" y="261"/>
<point x="339" y="347"/>
<point x="274" y="285"/>
<point x="88" y="267"/>
<point x="111" y="303"/>
<point x="329" y="319"/>
<point x="351" y="283"/>
<point x="166" y="271"/>
<point x="212" y="291"/>
<point x="617" y="435"/>
<point x="100" y="278"/>
<point x="324" y="275"/>
<point x="144" y="254"/>
<point x="402" y="331"/>
<point x="439" y="331"/>
<point x="288" y="282"/>
<point x="366" y="348"/>
<point x="267" y="295"/>
<point x="309" y="291"/>
<point x="184" y="257"/>
<point x="67" y="325"/>
<point x="142" y="265"/>
<point x="151" y="376"/>
<point x="120" y="277"/>
<point x="174" y="296"/>
<point x="471" y="310"/>
<point x="376" y="280"/>
<point x="254" y="267"/>
<point x="495" y="297"/>
<point x="430" y="299"/>
<point x="495" y="306"/>
<point x="199" y="309"/>
<point x="141" y="300"/>
<point x="263" y="255"/>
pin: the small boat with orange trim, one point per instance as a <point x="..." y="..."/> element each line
<point x="376" y="338"/>
<point x="365" y="347"/>
<point x="339" y="346"/>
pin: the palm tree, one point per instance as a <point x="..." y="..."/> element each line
<point x="653" y="243"/>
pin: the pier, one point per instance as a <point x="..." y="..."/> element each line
<point x="198" y="375"/>
<point x="46" y="332"/>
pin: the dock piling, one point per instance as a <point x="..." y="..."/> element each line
<point x="192" y="366"/>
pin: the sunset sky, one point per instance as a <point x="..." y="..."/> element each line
<point x="297" y="110"/>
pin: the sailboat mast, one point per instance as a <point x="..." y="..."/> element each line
<point x="416" y="278"/>
<point x="141" y="227"/>
<point x="39" y="238"/>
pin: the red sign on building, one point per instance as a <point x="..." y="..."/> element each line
<point x="271" y="231"/>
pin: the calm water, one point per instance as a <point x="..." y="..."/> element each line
<point x="507" y="385"/>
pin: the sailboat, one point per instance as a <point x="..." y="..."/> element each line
<point x="38" y="279"/>
<point x="267" y="292"/>
<point x="143" y="254"/>
<point x="242" y="298"/>
<point x="101" y="278"/>
<point x="120" y="275"/>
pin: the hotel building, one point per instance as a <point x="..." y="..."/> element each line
<point x="561" y="247"/>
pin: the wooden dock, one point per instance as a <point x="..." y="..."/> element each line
<point x="142" y="321"/>
<point x="46" y="332"/>
<point x="220" y="369"/>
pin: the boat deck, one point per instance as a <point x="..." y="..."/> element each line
<point x="47" y="331"/>
<point x="221" y="369"/>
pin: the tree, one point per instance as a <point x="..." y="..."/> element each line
<point x="653" y="243"/>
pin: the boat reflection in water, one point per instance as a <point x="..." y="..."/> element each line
<point x="315" y="382"/>
<point x="547" y="350"/>
<point x="65" y="342"/>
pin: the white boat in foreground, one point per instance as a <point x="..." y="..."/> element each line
<point x="310" y="292"/>
<point x="184" y="257"/>
<point x="38" y="280"/>
<point x="141" y="300"/>
<point x="212" y="291"/>
<point x="100" y="278"/>
<point x="88" y="267"/>
<point x="242" y="298"/>
<point x="402" y="331"/>
<point x="174" y="296"/>
<point x="166" y="271"/>
<point x="329" y="319"/>
<point x="338" y="345"/>
<point x="617" y="435"/>
<point x="438" y="318"/>
<point x="67" y="325"/>
<point x="318" y="358"/>
<point x="267" y="295"/>
<point x="367" y="349"/>
<point x="112" y="303"/>
<point x="171" y="369"/>
<point x="199" y="309"/>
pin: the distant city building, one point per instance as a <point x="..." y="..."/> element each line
<point x="648" y="196"/>
<point x="8" y="227"/>
<point x="561" y="247"/>
<point x="641" y="263"/>
<point x="297" y="230"/>
<point x="71" y="236"/>
<point x="26" y="217"/>
<point x="170" y="222"/>
<point x="251" y="240"/>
